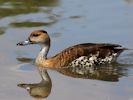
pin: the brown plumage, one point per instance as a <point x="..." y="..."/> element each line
<point x="94" y="53"/>
<point x="68" y="55"/>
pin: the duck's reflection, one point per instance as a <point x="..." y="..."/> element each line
<point x="105" y="73"/>
<point x="39" y="90"/>
<point x="110" y="73"/>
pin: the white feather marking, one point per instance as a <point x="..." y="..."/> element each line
<point x="28" y="88"/>
<point x="90" y="61"/>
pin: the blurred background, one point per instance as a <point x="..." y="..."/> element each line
<point x="68" y="22"/>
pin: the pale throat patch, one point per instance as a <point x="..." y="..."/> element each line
<point x="42" y="55"/>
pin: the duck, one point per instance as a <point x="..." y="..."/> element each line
<point x="41" y="89"/>
<point x="77" y="56"/>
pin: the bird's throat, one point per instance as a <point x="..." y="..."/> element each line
<point x="42" y="56"/>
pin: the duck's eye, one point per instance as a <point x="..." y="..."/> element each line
<point x="35" y="35"/>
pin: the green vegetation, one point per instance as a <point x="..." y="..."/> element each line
<point x="31" y="24"/>
<point x="75" y="17"/>
<point x="15" y="7"/>
<point x="30" y="3"/>
<point x="24" y="59"/>
<point x="2" y="31"/>
<point x="10" y="12"/>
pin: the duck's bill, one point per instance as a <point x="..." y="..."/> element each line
<point x="23" y="43"/>
<point x="25" y="86"/>
<point x="22" y="85"/>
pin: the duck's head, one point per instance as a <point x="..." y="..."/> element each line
<point x="37" y="37"/>
<point x="38" y="90"/>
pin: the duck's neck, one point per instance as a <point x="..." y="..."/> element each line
<point x="42" y="54"/>
<point x="44" y="75"/>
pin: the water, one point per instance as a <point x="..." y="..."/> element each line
<point x="68" y="22"/>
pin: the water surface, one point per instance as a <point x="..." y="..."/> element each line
<point x="68" y="22"/>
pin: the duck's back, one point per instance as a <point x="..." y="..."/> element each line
<point x="87" y="54"/>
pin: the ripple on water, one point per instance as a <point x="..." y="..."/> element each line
<point x="34" y="20"/>
<point x="26" y="67"/>
<point x="127" y="58"/>
<point x="15" y="7"/>
<point x="2" y="31"/>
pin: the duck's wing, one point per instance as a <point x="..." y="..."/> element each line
<point x="70" y="54"/>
